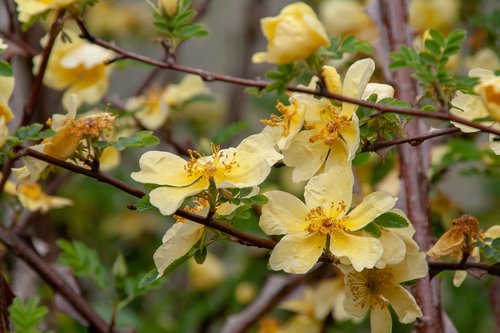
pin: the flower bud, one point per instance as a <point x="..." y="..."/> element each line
<point x="170" y="6"/>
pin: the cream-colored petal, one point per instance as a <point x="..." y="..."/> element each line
<point x="482" y="74"/>
<point x="169" y="199"/>
<point x="189" y="87"/>
<point x="297" y="254"/>
<point x="414" y="266"/>
<point x="355" y="82"/>
<point x="394" y="249"/>
<point x="283" y="214"/>
<point x="459" y="278"/>
<point x="338" y="157"/>
<point x="372" y="206"/>
<point x="380" y="319"/>
<point x="305" y="157"/>
<point x="87" y="55"/>
<point x="355" y="305"/>
<point x="382" y="90"/>
<point x="494" y="144"/>
<point x="4" y="131"/>
<point x="362" y="252"/>
<point x="162" y="168"/>
<point x="469" y="107"/>
<point x="350" y="135"/>
<point x="178" y="240"/>
<point x="403" y="303"/>
<point x="334" y="186"/>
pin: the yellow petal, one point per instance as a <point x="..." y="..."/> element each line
<point x="350" y="136"/>
<point x="169" y="199"/>
<point x="403" y="303"/>
<point x="370" y="208"/>
<point x="469" y="107"/>
<point x="355" y="82"/>
<point x="459" y="278"/>
<point x="394" y="249"/>
<point x="4" y="131"/>
<point x="382" y="91"/>
<point x="332" y="79"/>
<point x="380" y="319"/>
<point x="362" y="252"/>
<point x="334" y="186"/>
<point x="305" y="157"/>
<point x="283" y="214"/>
<point x="297" y="254"/>
<point x="178" y="240"/>
<point x="189" y="87"/>
<point x="494" y="143"/>
<point x="414" y="266"/>
<point x="162" y="168"/>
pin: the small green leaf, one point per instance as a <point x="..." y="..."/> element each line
<point x="26" y="317"/>
<point x="31" y="132"/>
<point x="140" y="139"/>
<point x="437" y="36"/>
<point x="496" y="243"/>
<point x="230" y="132"/>
<point x="489" y="251"/>
<point x="144" y="204"/>
<point x="433" y="47"/>
<point x="373" y="230"/>
<point x="361" y="158"/>
<point x="148" y="278"/>
<point x="119" y="269"/>
<point x="391" y="220"/>
<point x="201" y="255"/>
<point x="6" y="69"/>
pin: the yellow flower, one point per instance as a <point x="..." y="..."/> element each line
<point x="332" y="131"/>
<point x="293" y="35"/>
<point x="245" y="292"/>
<point x="4" y="131"/>
<point x="333" y="12"/>
<point x="33" y="198"/>
<point x="189" y="87"/>
<point x="484" y="58"/>
<point x="244" y="166"/>
<point x="437" y="14"/>
<point x="29" y="8"/>
<point x="324" y="217"/>
<point x="6" y="88"/>
<point x="207" y="275"/>
<point x="153" y="109"/>
<point x="170" y="6"/>
<point x="79" y="67"/>
<point x="374" y="289"/>
<point x="3" y="45"/>
<point x="489" y="90"/>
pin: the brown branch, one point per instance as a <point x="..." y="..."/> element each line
<point x="53" y="279"/>
<point x="37" y="83"/>
<point x="414" y="141"/>
<point x="210" y="77"/>
<point x="435" y="267"/>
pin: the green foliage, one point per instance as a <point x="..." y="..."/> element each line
<point x="281" y="77"/>
<point x="429" y="65"/>
<point x="83" y="260"/>
<point x="141" y="139"/>
<point x="6" y="69"/>
<point x="229" y="132"/>
<point x="391" y="220"/>
<point x="350" y="44"/>
<point x="238" y="197"/>
<point x="143" y="204"/>
<point x="491" y="248"/>
<point x="179" y="27"/>
<point x="373" y="230"/>
<point x="26" y="317"/>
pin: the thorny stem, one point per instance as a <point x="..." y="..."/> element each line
<point x="210" y="76"/>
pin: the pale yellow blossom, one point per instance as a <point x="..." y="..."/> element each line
<point x="77" y="66"/>
<point x="6" y="89"/>
<point x="372" y="290"/>
<point x="170" y="6"/>
<point x="331" y="137"/>
<point x="293" y="35"/>
<point x="152" y="107"/>
<point x="29" y="8"/>
<point x="324" y="216"/>
<point x="189" y="87"/>
<point x="4" y="131"/>
<point x="244" y="166"/>
<point x="438" y="14"/>
<point x="3" y="45"/>
<point x="489" y="90"/>
<point x="485" y="58"/>
<point x="207" y="275"/>
<point x="245" y="292"/>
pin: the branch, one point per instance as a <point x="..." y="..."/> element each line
<point x="435" y="267"/>
<point x="53" y="279"/>
<point x="210" y="77"/>
<point x="414" y="141"/>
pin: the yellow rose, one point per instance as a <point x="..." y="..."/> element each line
<point x="29" y="8"/>
<point x="293" y="35"/>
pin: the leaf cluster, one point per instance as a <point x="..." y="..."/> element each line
<point x="26" y="317"/>
<point x="491" y="248"/>
<point x="386" y="220"/>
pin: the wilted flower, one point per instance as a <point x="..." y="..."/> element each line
<point x="244" y="166"/>
<point x="323" y="219"/>
<point x="29" y="8"/>
<point x="292" y="35"/>
<point x="77" y="66"/>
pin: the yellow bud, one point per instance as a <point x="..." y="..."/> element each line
<point x="170" y="6"/>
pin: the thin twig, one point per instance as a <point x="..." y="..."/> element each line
<point x="210" y="76"/>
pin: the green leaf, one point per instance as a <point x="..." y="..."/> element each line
<point x="281" y="77"/>
<point x="148" y="278"/>
<point x="31" y="132"/>
<point x="140" y="139"/>
<point x="26" y="317"/>
<point x="496" y="243"/>
<point x="258" y="199"/>
<point x="433" y="47"/>
<point x="373" y="230"/>
<point x="119" y="269"/>
<point x="144" y="204"/>
<point x="437" y="36"/>
<point x="229" y="132"/>
<point x="489" y="251"/>
<point x="6" y="69"/>
<point x="201" y="255"/>
<point x="361" y="158"/>
<point x="391" y="220"/>
<point x="241" y="213"/>
<point x="83" y="260"/>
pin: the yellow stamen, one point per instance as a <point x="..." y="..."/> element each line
<point x="326" y="222"/>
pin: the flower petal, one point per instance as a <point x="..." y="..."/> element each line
<point x="355" y="82"/>
<point x="162" y="168"/>
<point x="169" y="199"/>
<point x="394" y="249"/>
<point x="178" y="240"/>
<point x="297" y="254"/>
<point x="403" y="303"/>
<point x="369" y="209"/>
<point x="362" y="252"/>
<point x="334" y="186"/>
<point x="283" y="214"/>
<point x="469" y="107"/>
<point x="380" y="320"/>
<point x="350" y="136"/>
<point x="414" y="266"/>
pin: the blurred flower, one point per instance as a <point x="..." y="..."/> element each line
<point x="170" y="6"/>
<point x="189" y="87"/>
<point x="244" y="166"/>
<point x="153" y="109"/>
<point x="3" y="45"/>
<point x="292" y="35"/>
<point x="360" y="24"/>
<point x="77" y="66"/>
<point x="245" y="292"/>
<point x="6" y="88"/>
<point x="325" y="215"/>
<point x="30" y="8"/>
<point x="484" y="58"/>
<point x="489" y="90"/>
<point x="332" y="131"/>
<point x="374" y="289"/>
<point x="4" y="131"/>
<point x="438" y="14"/>
<point x="207" y="275"/>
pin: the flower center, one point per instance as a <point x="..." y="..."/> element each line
<point x="30" y="190"/>
<point x="331" y="126"/>
<point x="200" y="204"/>
<point x="92" y="125"/>
<point x="368" y="286"/>
<point x="152" y="99"/>
<point x="326" y="222"/>
<point x="289" y="115"/>
<point x="208" y="166"/>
